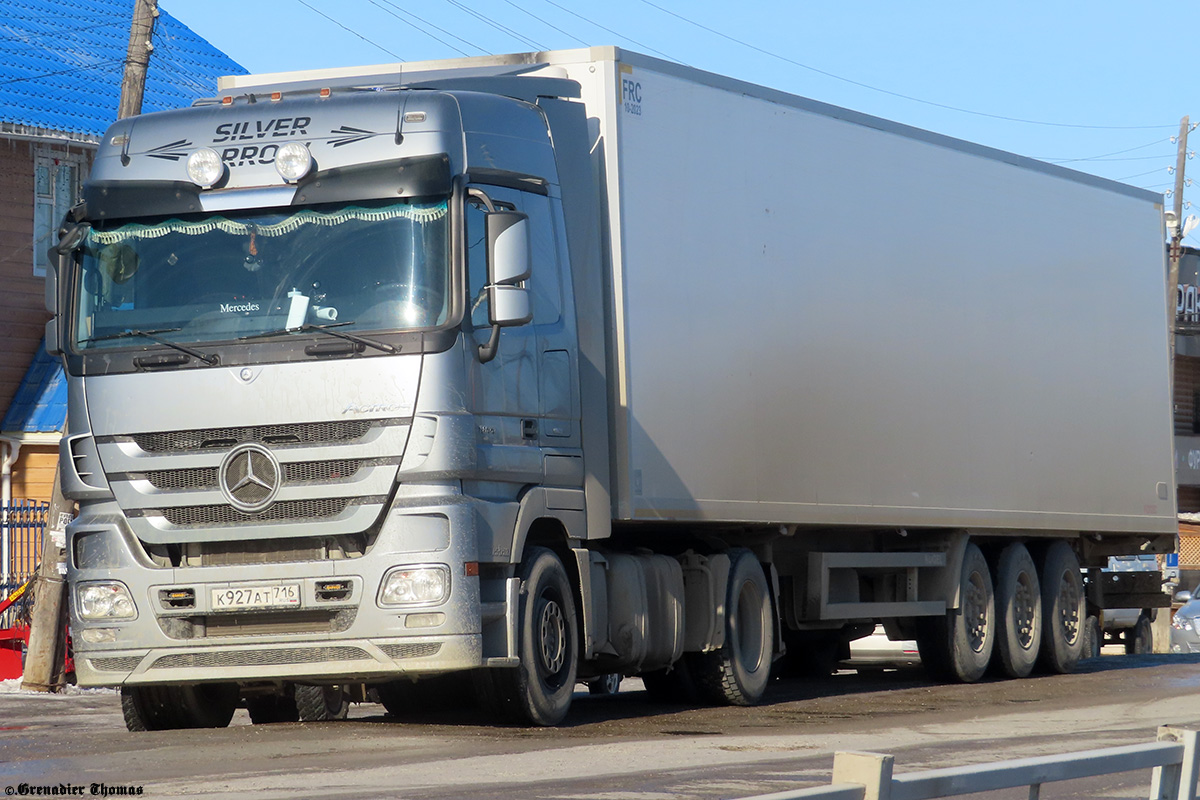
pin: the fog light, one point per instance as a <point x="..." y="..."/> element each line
<point x="107" y="600"/>
<point x="205" y="167"/>
<point x="430" y="620"/>
<point x="293" y="161"/>
<point x="425" y="585"/>
<point x="98" y="635"/>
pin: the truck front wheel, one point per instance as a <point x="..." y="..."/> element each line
<point x="739" y="672"/>
<point x="958" y="645"/>
<point x="1063" y="612"/>
<point x="538" y="692"/>
<point x="161" y="708"/>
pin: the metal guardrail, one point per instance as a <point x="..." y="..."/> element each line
<point x="868" y="776"/>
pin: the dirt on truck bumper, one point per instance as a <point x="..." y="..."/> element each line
<point x="344" y="659"/>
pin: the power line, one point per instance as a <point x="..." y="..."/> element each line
<point x="544" y="22"/>
<point x="85" y="68"/>
<point x="614" y="33"/>
<point x="350" y="30"/>
<point x="21" y="36"/>
<point x="430" y="24"/>
<point x="483" y="18"/>
<point x="888" y="91"/>
<point x="1106" y="155"/>
<point x="1140" y="174"/>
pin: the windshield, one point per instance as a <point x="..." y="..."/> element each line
<point x="206" y="278"/>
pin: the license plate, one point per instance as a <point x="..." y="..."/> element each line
<point x="236" y="598"/>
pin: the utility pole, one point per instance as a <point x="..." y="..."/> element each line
<point x="48" y="627"/>
<point x="137" y="58"/>
<point x="1162" y="631"/>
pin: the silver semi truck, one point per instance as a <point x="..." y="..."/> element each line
<point x="530" y="369"/>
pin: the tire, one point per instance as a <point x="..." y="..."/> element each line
<point x="539" y="691"/>
<point x="272" y="708"/>
<point x="608" y="684"/>
<point x="1140" y="640"/>
<point x="1064" y="616"/>
<point x="1018" y="612"/>
<point x="674" y="685"/>
<point x="1093" y="639"/>
<point x="321" y="703"/>
<point x="958" y="645"/>
<point x="161" y="708"/>
<point x="740" y="671"/>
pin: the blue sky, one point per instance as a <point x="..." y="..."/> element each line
<point x="1099" y="86"/>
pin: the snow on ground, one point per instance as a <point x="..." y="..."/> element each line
<point x="13" y="686"/>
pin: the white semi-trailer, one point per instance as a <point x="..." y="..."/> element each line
<point x="541" y="367"/>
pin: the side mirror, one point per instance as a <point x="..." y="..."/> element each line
<point x="1183" y="597"/>
<point x="508" y="247"/>
<point x="53" y="347"/>
<point x="508" y="264"/>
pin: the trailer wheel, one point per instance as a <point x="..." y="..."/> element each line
<point x="1140" y="639"/>
<point x="958" y="645"/>
<point x="272" y="708"/>
<point x="161" y="708"/>
<point x="607" y="684"/>
<point x="322" y="703"/>
<point x="538" y="692"/>
<point x="1018" y="612"/>
<point x="1063" y="612"/>
<point x="739" y="672"/>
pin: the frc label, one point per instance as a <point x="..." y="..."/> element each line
<point x="631" y="94"/>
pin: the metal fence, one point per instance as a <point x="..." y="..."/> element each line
<point x="21" y="527"/>
<point x="868" y="776"/>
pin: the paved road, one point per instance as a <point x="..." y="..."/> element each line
<point x="615" y="748"/>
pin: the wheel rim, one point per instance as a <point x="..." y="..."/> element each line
<point x="1068" y="611"/>
<point x="1024" y="610"/>
<point x="748" y="630"/>
<point x="975" y="612"/>
<point x="552" y="637"/>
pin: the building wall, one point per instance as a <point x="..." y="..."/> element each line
<point x="22" y="305"/>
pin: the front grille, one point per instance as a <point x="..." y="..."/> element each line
<point x="203" y="438"/>
<point x="205" y="478"/>
<point x="413" y="650"/>
<point x="118" y="664"/>
<point x="255" y="658"/>
<point x="197" y="516"/>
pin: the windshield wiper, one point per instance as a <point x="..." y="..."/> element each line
<point x="326" y="329"/>
<point x="152" y="336"/>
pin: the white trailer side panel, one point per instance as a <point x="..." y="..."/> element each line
<point x="825" y="318"/>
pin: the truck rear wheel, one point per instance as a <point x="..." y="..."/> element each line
<point x="958" y="645"/>
<point x="538" y="692"/>
<point x="272" y="708"/>
<point x="738" y="673"/>
<point x="1063" y="612"/>
<point x="161" y="708"/>
<point x="1140" y="638"/>
<point x="1018" y="612"/>
<point x="322" y="703"/>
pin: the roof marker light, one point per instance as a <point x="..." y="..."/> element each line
<point x="293" y="161"/>
<point x="324" y="93"/>
<point x="276" y="96"/>
<point x="227" y="101"/>
<point x="205" y="167"/>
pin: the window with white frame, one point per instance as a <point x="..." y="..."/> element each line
<point x="57" y="177"/>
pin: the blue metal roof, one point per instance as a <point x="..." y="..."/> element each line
<point x="61" y="63"/>
<point x="40" y="405"/>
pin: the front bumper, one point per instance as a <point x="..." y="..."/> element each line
<point x="343" y="660"/>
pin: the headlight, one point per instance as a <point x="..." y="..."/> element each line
<point x="293" y="161"/>
<point x="1182" y="623"/>
<point x="107" y="600"/>
<point x="410" y="586"/>
<point x="205" y="167"/>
